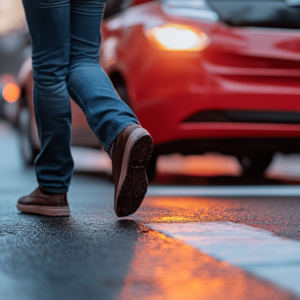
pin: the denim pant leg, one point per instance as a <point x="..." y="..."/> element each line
<point x="88" y="84"/>
<point x="49" y="26"/>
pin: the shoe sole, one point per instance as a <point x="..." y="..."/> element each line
<point x="51" y="211"/>
<point x="133" y="183"/>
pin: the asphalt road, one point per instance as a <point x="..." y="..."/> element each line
<point x="202" y="232"/>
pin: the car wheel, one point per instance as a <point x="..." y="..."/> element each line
<point x="151" y="167"/>
<point x="255" y="165"/>
<point x="28" y="150"/>
<point x="122" y="92"/>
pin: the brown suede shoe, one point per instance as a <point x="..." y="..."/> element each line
<point x="131" y="152"/>
<point x="48" y="205"/>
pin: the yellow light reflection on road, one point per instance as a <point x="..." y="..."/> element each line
<point x="164" y="268"/>
<point x="202" y="165"/>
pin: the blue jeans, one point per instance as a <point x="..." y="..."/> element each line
<point x="66" y="37"/>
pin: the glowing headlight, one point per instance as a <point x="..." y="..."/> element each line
<point x="174" y="37"/>
<point x="11" y="92"/>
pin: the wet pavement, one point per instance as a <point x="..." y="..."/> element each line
<point x="161" y="252"/>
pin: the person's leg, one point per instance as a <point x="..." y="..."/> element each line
<point x="111" y="119"/>
<point x="88" y="84"/>
<point x="49" y="26"/>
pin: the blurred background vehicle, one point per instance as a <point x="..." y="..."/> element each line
<point x="14" y="49"/>
<point x="202" y="76"/>
<point x="9" y="95"/>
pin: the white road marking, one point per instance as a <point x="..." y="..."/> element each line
<point x="91" y="160"/>
<point x="267" y="256"/>
<point x="224" y="191"/>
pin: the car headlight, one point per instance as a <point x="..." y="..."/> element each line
<point x="176" y="37"/>
<point x="11" y="92"/>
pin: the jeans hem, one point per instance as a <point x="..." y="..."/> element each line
<point x="56" y="191"/>
<point x="116" y="133"/>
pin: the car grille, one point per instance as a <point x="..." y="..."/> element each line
<point x="240" y="116"/>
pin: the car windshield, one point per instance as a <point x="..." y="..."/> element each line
<point x="182" y="1"/>
<point x="249" y="13"/>
<point x="186" y="2"/>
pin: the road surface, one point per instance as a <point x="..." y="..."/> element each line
<point x="202" y="233"/>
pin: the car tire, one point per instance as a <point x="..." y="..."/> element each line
<point x="255" y="165"/>
<point x="28" y="149"/>
<point x="151" y="167"/>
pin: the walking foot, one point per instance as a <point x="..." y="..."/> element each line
<point x="131" y="153"/>
<point x="47" y="205"/>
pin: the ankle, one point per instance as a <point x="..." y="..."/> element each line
<point x="46" y="193"/>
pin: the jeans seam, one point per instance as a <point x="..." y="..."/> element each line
<point x="102" y="88"/>
<point x="89" y="119"/>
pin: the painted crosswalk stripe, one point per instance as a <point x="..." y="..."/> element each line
<point x="225" y="191"/>
<point x="267" y="256"/>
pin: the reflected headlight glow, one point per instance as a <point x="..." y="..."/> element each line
<point x="175" y="37"/>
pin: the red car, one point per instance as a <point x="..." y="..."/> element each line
<point x="215" y="75"/>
